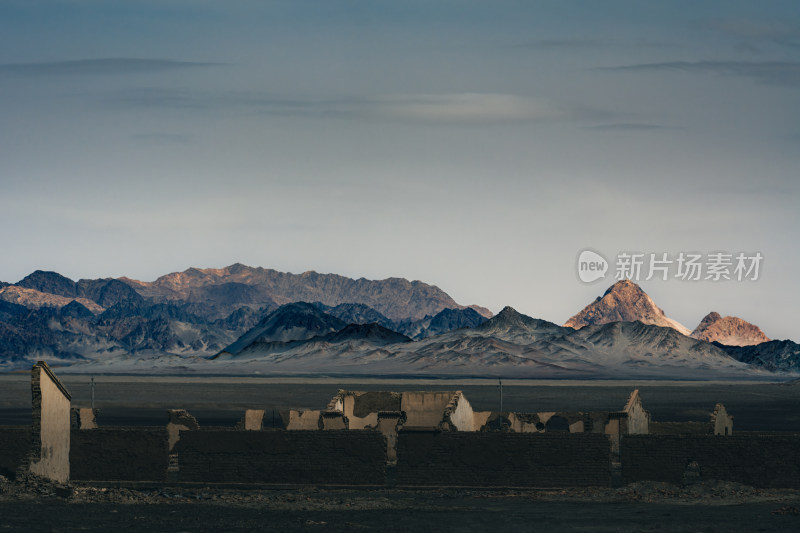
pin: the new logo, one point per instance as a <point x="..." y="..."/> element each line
<point x="591" y="266"/>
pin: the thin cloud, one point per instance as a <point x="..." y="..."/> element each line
<point x="154" y="97"/>
<point x="465" y="107"/>
<point x="448" y="108"/>
<point x="103" y="66"/>
<point x="591" y="44"/>
<point x="761" y="32"/>
<point x="628" y="126"/>
<point x="765" y="72"/>
<point x="162" y="138"/>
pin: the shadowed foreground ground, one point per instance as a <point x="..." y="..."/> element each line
<point x="651" y="507"/>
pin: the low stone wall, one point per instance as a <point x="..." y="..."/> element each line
<point x="756" y="460"/>
<point x="119" y="454"/>
<point x="503" y="459"/>
<point x="291" y="457"/>
<point x="15" y="442"/>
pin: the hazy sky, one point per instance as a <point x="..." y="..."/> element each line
<point x="478" y="146"/>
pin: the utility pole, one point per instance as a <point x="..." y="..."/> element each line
<point x="92" y="384"/>
<point x="500" y="385"/>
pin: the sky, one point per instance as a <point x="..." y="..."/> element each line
<point x="477" y="146"/>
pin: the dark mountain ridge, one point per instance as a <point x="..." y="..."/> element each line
<point x="374" y="333"/>
<point x="49" y="282"/>
<point x="444" y="321"/>
<point x="355" y="313"/>
<point x="105" y="292"/>
<point x="291" y="322"/>
<point x="776" y="356"/>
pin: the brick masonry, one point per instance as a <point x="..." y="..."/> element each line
<point x="291" y="457"/>
<point x="15" y="443"/>
<point x="756" y="460"/>
<point x="119" y="454"/>
<point x="503" y="459"/>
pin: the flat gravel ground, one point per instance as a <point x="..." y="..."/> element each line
<point x="456" y="514"/>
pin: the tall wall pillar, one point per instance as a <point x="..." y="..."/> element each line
<point x="49" y="454"/>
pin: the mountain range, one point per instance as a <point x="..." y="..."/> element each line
<point x="225" y="289"/>
<point x="197" y="312"/>
<point x="241" y="319"/>
<point x="625" y="301"/>
<point x="300" y="339"/>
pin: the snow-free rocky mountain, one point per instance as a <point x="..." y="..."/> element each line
<point x="236" y="285"/>
<point x="509" y="344"/>
<point x="624" y="301"/>
<point x="729" y="330"/>
<point x="195" y="313"/>
<point x="243" y="320"/>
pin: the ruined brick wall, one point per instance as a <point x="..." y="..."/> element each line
<point x="15" y="442"/>
<point x="503" y="459"/>
<point x="119" y="454"/>
<point x="291" y="457"/>
<point x="756" y="460"/>
<point x="49" y="453"/>
<point x="679" y="428"/>
<point x="638" y="417"/>
<point x="425" y="409"/>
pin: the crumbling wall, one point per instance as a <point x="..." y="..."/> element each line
<point x="425" y="409"/>
<point x="360" y="409"/>
<point x="337" y="402"/>
<point x="253" y="420"/>
<point x="444" y="409"/>
<point x="679" y="428"/>
<point x="303" y="420"/>
<point x="638" y="419"/>
<point x="426" y="457"/>
<point x="721" y="421"/>
<point x="333" y="421"/>
<point x="15" y="444"/>
<point x="282" y="457"/>
<point x="480" y="419"/>
<point x="119" y="454"/>
<point x="756" y="460"/>
<point x="366" y="403"/>
<point x="458" y="415"/>
<point x="83" y="418"/>
<point x="543" y="422"/>
<point x="614" y="428"/>
<point x="179" y="420"/>
<point x="389" y="423"/>
<point x="521" y="422"/>
<point x="544" y="417"/>
<point x="357" y="411"/>
<point x="49" y="455"/>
